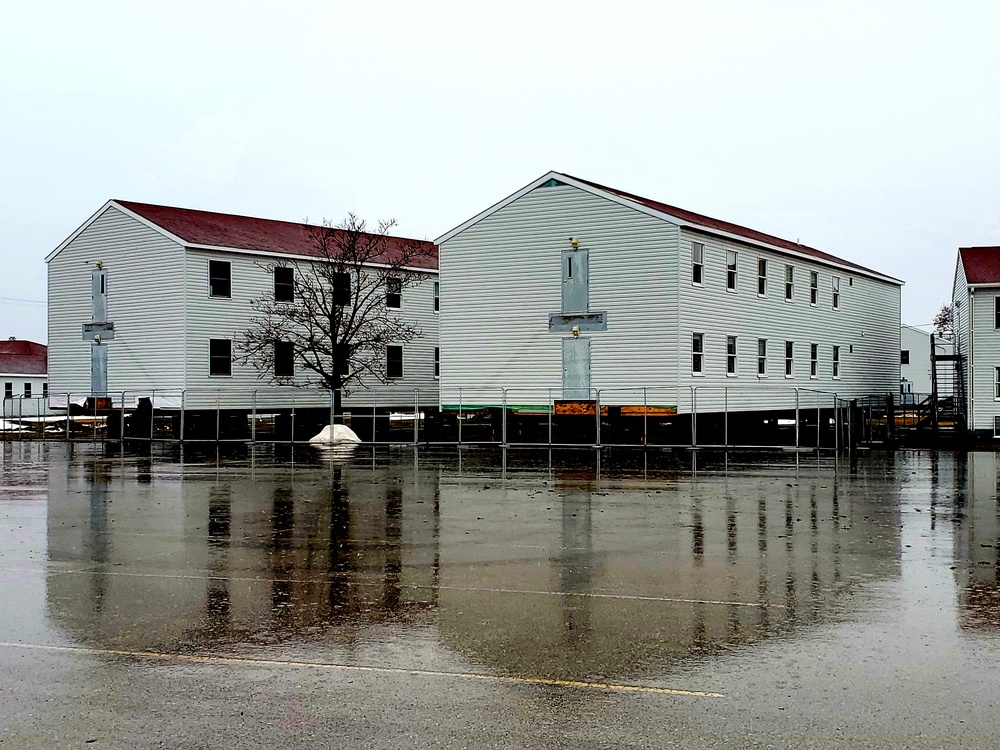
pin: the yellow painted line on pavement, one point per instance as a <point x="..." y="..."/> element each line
<point x="580" y="594"/>
<point x="247" y="661"/>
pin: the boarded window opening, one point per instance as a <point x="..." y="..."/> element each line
<point x="219" y="278"/>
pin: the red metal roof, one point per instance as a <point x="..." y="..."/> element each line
<point x="248" y="233"/>
<point x="709" y="223"/>
<point x="23" y="358"/>
<point x="982" y="264"/>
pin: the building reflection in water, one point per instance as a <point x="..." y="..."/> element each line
<point x="547" y="571"/>
<point x="976" y="516"/>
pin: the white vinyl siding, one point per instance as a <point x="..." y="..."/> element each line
<point x="213" y="318"/>
<point x="503" y="278"/>
<point x="145" y="302"/>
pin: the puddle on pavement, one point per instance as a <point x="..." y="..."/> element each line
<point x="567" y="566"/>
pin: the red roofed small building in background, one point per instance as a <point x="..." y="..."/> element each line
<point x="976" y="300"/>
<point x="24" y="376"/>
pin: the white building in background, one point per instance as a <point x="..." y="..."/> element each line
<point x="178" y="286"/>
<point x="915" y="360"/>
<point x="567" y="287"/>
<point x="24" y="377"/>
<point x="976" y="300"/>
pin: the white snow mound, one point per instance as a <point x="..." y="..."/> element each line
<point x="339" y="434"/>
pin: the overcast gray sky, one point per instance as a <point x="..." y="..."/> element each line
<point x="868" y="130"/>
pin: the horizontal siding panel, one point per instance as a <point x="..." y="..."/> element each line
<point x="145" y="302"/>
<point x="502" y="279"/>
<point x="209" y="318"/>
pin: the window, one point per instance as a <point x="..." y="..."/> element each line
<point x="836" y="292"/>
<point x="836" y="361"/>
<point x="814" y="360"/>
<point x="731" y="270"/>
<point x="284" y="284"/>
<point x="8" y="390"/>
<point x="996" y="426"/>
<point x="284" y="359"/>
<point x="789" y="282"/>
<point x="342" y="358"/>
<point x="27" y="390"/>
<point x="437" y="296"/>
<point x="394" y="294"/>
<point x="437" y="362"/>
<point x="341" y="288"/>
<point x="762" y="358"/>
<point x="697" y="262"/>
<point x="219" y="278"/>
<point x="813" y="288"/>
<point x="904" y="357"/>
<point x="220" y="357"/>
<point x="730" y="355"/>
<point x="697" y="353"/>
<point x="996" y="312"/>
<point x="761" y="277"/>
<point x="394" y="361"/>
<point x="789" y="359"/>
<point x="996" y="383"/>
<point x="45" y="389"/>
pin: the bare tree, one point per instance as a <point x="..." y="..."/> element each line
<point x="944" y="322"/>
<point x="330" y="320"/>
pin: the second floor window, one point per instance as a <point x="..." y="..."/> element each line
<point x="341" y="288"/>
<point x="27" y="390"/>
<point x="284" y="284"/>
<point x="731" y="270"/>
<point x="836" y="292"/>
<point x="813" y="287"/>
<point x="219" y="278"/>
<point x="789" y="282"/>
<point x="8" y="390"/>
<point x="761" y="277"/>
<point x="697" y="262"/>
<point x="437" y="296"/>
<point x="394" y="294"/>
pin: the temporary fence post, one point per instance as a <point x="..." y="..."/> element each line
<point x="416" y="416"/>
<point x="552" y="408"/>
<point x="152" y="413"/>
<point x="253" y="416"/>
<point x="796" y="418"/>
<point x="503" y="416"/>
<point x="291" y="434"/>
<point x="725" y="417"/>
<point x="694" y="416"/>
<point x="121" y="418"/>
<point x="331" y="413"/>
<point x="218" y="416"/>
<point x="459" y="420"/>
<point x="645" y="418"/>
<point x="68" y="405"/>
<point x="183" y="409"/>
<point x="374" y="402"/>
<point x="818" y="417"/>
<point x="597" y="410"/>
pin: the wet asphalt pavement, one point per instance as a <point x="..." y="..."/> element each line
<point x="472" y="599"/>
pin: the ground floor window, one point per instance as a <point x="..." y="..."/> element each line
<point x="996" y="382"/>
<point x="284" y="359"/>
<point x="394" y="362"/>
<point x="437" y="361"/>
<point x="789" y="358"/>
<point x="836" y="361"/>
<point x="220" y="357"/>
<point x="761" y="358"/>
<point x="813" y="360"/>
<point x="697" y="353"/>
